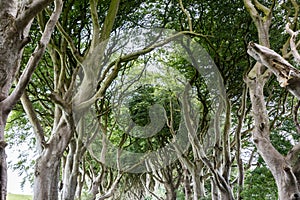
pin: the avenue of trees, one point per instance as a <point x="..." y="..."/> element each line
<point x="81" y="81"/>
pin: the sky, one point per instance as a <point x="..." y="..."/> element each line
<point x="14" y="184"/>
<point x="14" y="179"/>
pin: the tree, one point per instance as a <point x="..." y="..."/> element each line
<point x="282" y="167"/>
<point x="67" y="104"/>
<point x="67" y="40"/>
<point x="216" y="165"/>
<point x="16" y="19"/>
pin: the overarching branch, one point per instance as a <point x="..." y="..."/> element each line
<point x="31" y="10"/>
<point x="34" y="59"/>
<point x="287" y="75"/>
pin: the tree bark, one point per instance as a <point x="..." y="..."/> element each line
<point x="287" y="76"/>
<point x="282" y="171"/>
<point x="218" y="180"/>
<point x="15" y="23"/>
<point x="47" y="165"/>
<point x="170" y="192"/>
<point x="9" y="62"/>
<point x="46" y="178"/>
<point x="71" y="170"/>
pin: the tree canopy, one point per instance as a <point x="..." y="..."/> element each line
<point x="151" y="99"/>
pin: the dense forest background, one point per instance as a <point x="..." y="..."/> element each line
<point x="94" y="80"/>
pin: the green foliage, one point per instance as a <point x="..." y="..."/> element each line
<point x="180" y="194"/>
<point x="86" y="196"/>
<point x="139" y="105"/>
<point x="141" y="101"/>
<point x="281" y="143"/>
<point x="228" y="28"/>
<point x="259" y="184"/>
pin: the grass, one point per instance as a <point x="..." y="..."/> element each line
<point x="18" y="197"/>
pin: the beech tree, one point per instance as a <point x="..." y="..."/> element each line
<point x="66" y="136"/>
<point x="15" y="23"/>
<point x="67" y="54"/>
<point x="283" y="167"/>
<point x="220" y="156"/>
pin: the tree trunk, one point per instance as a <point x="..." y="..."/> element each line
<point x="15" y="21"/>
<point x="70" y="177"/>
<point x="71" y="173"/>
<point x="214" y="190"/>
<point x="285" y="179"/>
<point x="9" y="62"/>
<point x="197" y="181"/>
<point x="170" y="192"/>
<point x="187" y="184"/>
<point x="47" y="165"/>
<point x="46" y="178"/>
<point x="3" y="164"/>
<point x="279" y="166"/>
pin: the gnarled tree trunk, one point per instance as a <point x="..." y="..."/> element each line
<point x="268" y="62"/>
<point x="47" y="165"/>
<point x="15" y="20"/>
<point x="282" y="171"/>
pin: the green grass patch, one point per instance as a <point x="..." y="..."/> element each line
<point x="18" y="197"/>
